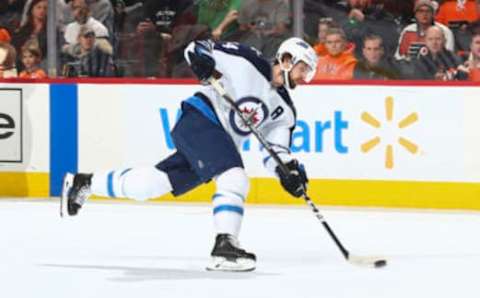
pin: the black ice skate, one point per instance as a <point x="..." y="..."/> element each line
<point x="227" y="256"/>
<point x="75" y="190"/>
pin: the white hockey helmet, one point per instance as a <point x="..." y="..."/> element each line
<point x="300" y="50"/>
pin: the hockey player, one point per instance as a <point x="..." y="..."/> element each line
<point x="208" y="136"/>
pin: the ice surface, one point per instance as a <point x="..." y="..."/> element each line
<point x="155" y="250"/>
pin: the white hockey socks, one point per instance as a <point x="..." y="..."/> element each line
<point x="228" y="201"/>
<point x="137" y="183"/>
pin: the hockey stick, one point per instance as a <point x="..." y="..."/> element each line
<point x="356" y="260"/>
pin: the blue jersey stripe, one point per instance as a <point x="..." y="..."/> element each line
<point x="205" y="109"/>
<point x="218" y="195"/>
<point x="215" y="196"/>
<point x="228" y="208"/>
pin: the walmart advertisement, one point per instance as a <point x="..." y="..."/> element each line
<point x="381" y="146"/>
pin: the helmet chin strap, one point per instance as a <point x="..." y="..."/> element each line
<point x="286" y="77"/>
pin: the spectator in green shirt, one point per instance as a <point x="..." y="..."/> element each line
<point x="220" y="16"/>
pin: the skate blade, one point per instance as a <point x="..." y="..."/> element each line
<point x="67" y="184"/>
<point x="222" y="264"/>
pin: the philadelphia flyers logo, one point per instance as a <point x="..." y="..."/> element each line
<point x="253" y="109"/>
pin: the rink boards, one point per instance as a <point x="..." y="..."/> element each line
<point x="382" y="145"/>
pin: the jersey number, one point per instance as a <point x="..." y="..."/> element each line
<point x="277" y="112"/>
<point x="231" y="45"/>
<point x="236" y="46"/>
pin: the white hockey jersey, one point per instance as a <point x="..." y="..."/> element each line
<point x="246" y="77"/>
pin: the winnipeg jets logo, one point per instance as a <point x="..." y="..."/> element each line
<point x="251" y="115"/>
<point x="254" y="111"/>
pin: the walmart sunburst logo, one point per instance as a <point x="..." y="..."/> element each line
<point x="407" y="121"/>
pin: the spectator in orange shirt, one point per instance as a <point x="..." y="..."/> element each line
<point x="339" y="62"/>
<point x="31" y="58"/>
<point x="457" y="15"/>
<point x="451" y="11"/>
<point x="323" y="25"/>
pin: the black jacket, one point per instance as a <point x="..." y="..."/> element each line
<point x="385" y="70"/>
<point x="426" y="65"/>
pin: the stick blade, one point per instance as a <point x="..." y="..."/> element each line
<point x="371" y="262"/>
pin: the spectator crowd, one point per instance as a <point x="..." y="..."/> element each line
<point x="354" y="39"/>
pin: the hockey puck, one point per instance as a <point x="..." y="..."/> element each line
<point x="380" y="263"/>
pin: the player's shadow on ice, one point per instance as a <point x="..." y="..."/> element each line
<point x="133" y="274"/>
